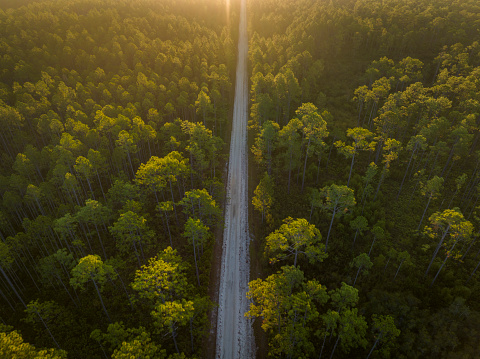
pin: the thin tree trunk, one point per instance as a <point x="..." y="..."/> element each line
<point x="173" y="201"/>
<point x="351" y="167"/>
<point x="48" y="329"/>
<point x="101" y="187"/>
<point x="444" y="261"/>
<point x="305" y="164"/>
<point x="373" y="347"/>
<point x="100" y="240"/>
<point x="66" y="289"/>
<point x="386" y="264"/>
<point x="168" y="229"/>
<point x="373" y="242"/>
<point x="124" y="288"/>
<point x="6" y="299"/>
<point x="382" y="177"/>
<point x="101" y="300"/>
<point x="335" y="347"/>
<point x="12" y="286"/>
<point x="355" y="238"/>
<point x="174" y="336"/>
<point x="437" y="249"/>
<point x="318" y="167"/>
<point x="473" y="272"/>
<point x="330" y="152"/>
<point x="469" y="247"/>
<point x="449" y="158"/>
<point x="195" y="256"/>
<point x="136" y="254"/>
<point x="451" y="199"/>
<point x="425" y="211"/>
<point x="289" y="173"/>
<point x="358" y="272"/>
<point x="329" y="229"/>
<point x="406" y="172"/>
<point x="398" y="270"/>
<point x="323" y="344"/>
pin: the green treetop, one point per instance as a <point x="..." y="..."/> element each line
<point x="91" y="268"/>
<point x="295" y="237"/>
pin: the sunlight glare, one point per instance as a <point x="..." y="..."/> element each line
<point x="227" y="9"/>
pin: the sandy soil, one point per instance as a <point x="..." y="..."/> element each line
<point x="234" y="331"/>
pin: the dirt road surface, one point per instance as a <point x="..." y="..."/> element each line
<point x="234" y="331"/>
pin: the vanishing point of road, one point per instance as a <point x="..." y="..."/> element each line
<point x="234" y="331"/>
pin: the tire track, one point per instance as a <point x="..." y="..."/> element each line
<point x="234" y="331"/>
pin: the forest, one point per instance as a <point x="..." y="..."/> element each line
<point x="112" y="115"/>
<point x="364" y="176"/>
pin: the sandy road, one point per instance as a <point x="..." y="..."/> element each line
<point x="234" y="331"/>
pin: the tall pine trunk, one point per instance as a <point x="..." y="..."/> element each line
<point x="305" y="164"/>
<point x="329" y="229"/>
<point x="101" y="299"/>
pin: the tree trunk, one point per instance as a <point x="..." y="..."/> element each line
<point x="100" y="240"/>
<point x="449" y="158"/>
<point x="386" y="264"/>
<point x="373" y="347"/>
<point x="101" y="300"/>
<point x="168" y="229"/>
<point x="305" y="164"/>
<point x="335" y="346"/>
<point x="136" y="254"/>
<point x="382" y="177"/>
<point x="323" y="344"/>
<point x="66" y="290"/>
<point x="425" y="211"/>
<point x="12" y="286"/>
<point x="318" y="167"/>
<point x="174" y="336"/>
<point x="358" y="272"/>
<point x="473" y="272"/>
<point x="398" y="270"/>
<point x="6" y="299"/>
<point x="195" y="256"/>
<point x="289" y="172"/>
<point x="351" y="167"/>
<point x="48" y="329"/>
<point x="451" y="200"/>
<point x="373" y="242"/>
<point x="437" y="249"/>
<point x="124" y="288"/>
<point x="329" y="229"/>
<point x="355" y="238"/>
<point x="444" y="261"/>
<point x="330" y="152"/>
<point x="173" y="201"/>
<point x="406" y="172"/>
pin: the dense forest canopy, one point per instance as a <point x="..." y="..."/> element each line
<point x="364" y="122"/>
<point x="112" y="116"/>
<point x="365" y="162"/>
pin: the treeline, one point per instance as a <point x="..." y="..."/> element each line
<point x="364" y="124"/>
<point x="112" y="117"/>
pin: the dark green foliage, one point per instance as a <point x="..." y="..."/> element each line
<point x="405" y="76"/>
<point x="113" y="118"/>
<point x="97" y="99"/>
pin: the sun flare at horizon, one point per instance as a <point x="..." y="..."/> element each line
<point x="227" y="11"/>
